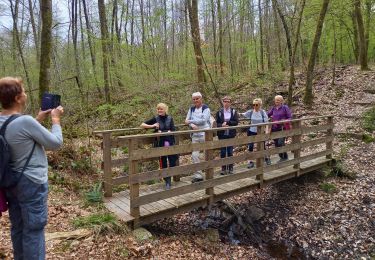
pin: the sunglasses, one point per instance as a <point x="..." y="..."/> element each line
<point x="255" y="105"/>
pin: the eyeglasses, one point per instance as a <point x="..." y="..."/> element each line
<point x="226" y="101"/>
<point x="194" y="99"/>
<point x="255" y="105"/>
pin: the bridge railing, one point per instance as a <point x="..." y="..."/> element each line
<point x="305" y="134"/>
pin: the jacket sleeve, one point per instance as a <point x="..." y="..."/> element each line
<point x="247" y="114"/>
<point x="234" y="119"/>
<point x="270" y="112"/>
<point x="219" y="121"/>
<point x="206" y="118"/>
<point x="50" y="140"/>
<point x="173" y="127"/>
<point x="288" y="112"/>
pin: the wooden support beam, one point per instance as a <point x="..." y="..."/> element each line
<point x="107" y="167"/>
<point x="209" y="155"/>
<point x="134" y="188"/>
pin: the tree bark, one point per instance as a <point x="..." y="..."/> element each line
<point x="91" y="47"/>
<point x="45" y="46"/>
<point x="20" y="50"/>
<point x="361" y="34"/>
<point x="75" y="48"/>
<point x="290" y="50"/>
<point x="33" y="26"/>
<point x="105" y="49"/>
<point x="221" y="32"/>
<point x="261" y="35"/>
<point x="308" y="98"/>
<point x="194" y="23"/>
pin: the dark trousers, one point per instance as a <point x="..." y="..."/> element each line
<point x="172" y="159"/>
<point x="251" y="145"/>
<point x="226" y="152"/>
<point x="28" y="217"/>
<point x="279" y="142"/>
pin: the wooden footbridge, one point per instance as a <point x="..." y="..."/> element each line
<point x="135" y="192"/>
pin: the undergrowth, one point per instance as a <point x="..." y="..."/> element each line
<point x="100" y="223"/>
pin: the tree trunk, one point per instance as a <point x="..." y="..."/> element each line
<point x="194" y="23"/>
<point x="277" y="28"/>
<point x="213" y="17"/>
<point x="35" y="34"/>
<point x="105" y="49"/>
<point x="361" y="34"/>
<point x="221" y="32"/>
<point x="308" y="98"/>
<point x="261" y="36"/>
<point x="290" y="50"/>
<point x="356" y="38"/>
<point x="91" y="47"/>
<point x="45" y="46"/>
<point x="294" y="51"/>
<point x="75" y="48"/>
<point x="20" y="50"/>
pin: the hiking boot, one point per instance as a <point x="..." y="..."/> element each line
<point x="194" y="180"/>
<point x="268" y="161"/>
<point x="250" y="165"/>
<point x="282" y="160"/>
<point x="223" y="172"/>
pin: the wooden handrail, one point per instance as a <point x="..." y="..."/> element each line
<point x="184" y="125"/>
<point x="138" y="152"/>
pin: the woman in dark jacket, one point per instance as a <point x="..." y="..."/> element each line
<point x="225" y="117"/>
<point x="163" y="123"/>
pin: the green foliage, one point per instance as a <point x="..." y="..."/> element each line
<point x="368" y="122"/>
<point x="368" y="138"/>
<point x="95" y="195"/>
<point x="339" y="169"/>
<point x="101" y="223"/>
<point x="328" y="187"/>
<point x="72" y="158"/>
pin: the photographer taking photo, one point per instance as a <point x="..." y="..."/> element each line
<point x="27" y="139"/>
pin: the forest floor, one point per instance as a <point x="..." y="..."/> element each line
<point x="302" y="221"/>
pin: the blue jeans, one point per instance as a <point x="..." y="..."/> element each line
<point x="28" y="216"/>
<point x="226" y="151"/>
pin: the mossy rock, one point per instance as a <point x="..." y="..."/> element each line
<point x="142" y="234"/>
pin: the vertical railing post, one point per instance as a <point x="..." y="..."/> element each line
<point x="209" y="155"/>
<point x="329" y="133"/>
<point x="260" y="161"/>
<point x="134" y="187"/>
<point x="177" y="142"/>
<point x="107" y="167"/>
<point x="296" y="139"/>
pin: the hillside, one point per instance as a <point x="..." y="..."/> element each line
<point x="320" y="215"/>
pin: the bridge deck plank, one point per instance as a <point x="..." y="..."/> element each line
<point x="119" y="203"/>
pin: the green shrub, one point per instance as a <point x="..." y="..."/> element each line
<point x="328" y="187"/>
<point x="338" y="169"/>
<point x="368" y="122"/>
<point x="101" y="223"/>
<point x="367" y="138"/>
<point x="95" y="195"/>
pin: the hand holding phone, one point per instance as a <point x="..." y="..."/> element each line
<point x="50" y="101"/>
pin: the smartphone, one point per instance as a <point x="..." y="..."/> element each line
<point x="50" y="101"/>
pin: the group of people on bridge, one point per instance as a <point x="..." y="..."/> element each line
<point x="199" y="117"/>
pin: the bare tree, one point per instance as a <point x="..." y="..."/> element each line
<point x="105" y="49"/>
<point x="361" y="34"/>
<point x="194" y="23"/>
<point x="45" y="46"/>
<point x="308" y="98"/>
